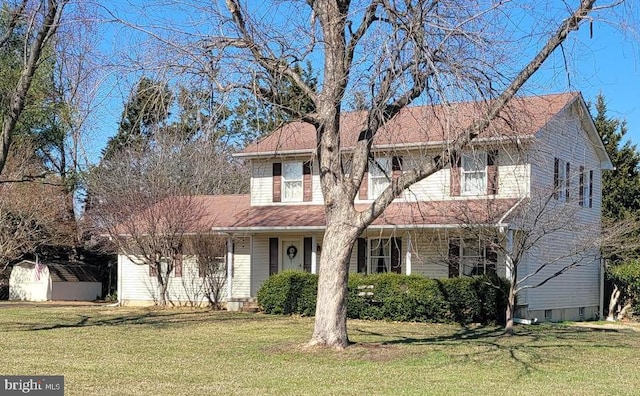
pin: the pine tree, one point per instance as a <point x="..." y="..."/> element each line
<point x="621" y="186"/>
<point x="147" y="107"/>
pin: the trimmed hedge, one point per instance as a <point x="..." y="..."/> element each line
<point x="289" y="292"/>
<point x="393" y="297"/>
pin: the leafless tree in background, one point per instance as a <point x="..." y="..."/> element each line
<point x="31" y="212"/>
<point x="147" y="200"/>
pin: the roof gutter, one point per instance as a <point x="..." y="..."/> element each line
<point x="381" y="147"/>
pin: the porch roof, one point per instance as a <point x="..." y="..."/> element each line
<point x="234" y="215"/>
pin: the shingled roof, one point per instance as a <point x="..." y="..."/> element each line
<point x="63" y="271"/>
<point x="421" y="125"/>
<point x="234" y="214"/>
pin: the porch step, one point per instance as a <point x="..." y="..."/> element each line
<point x="243" y="305"/>
<point x="251" y="308"/>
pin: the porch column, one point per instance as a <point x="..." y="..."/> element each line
<point x="407" y="255"/>
<point x="314" y="255"/>
<point x="229" y="268"/>
<point x="508" y="260"/>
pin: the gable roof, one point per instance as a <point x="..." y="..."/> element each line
<point x="421" y="125"/>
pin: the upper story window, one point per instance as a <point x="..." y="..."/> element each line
<point x="562" y="180"/>
<point x="292" y="182"/>
<point x="474" y="173"/>
<point x="379" y="174"/>
<point x="586" y="188"/>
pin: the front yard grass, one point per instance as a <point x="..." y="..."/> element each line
<point x="127" y="351"/>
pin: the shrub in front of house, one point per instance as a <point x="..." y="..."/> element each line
<point x="393" y="297"/>
<point x="396" y="297"/>
<point x="289" y="292"/>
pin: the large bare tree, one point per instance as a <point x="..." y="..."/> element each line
<point x="383" y="55"/>
<point x="434" y="50"/>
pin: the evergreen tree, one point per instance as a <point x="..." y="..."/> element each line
<point x="147" y="107"/>
<point x="255" y="117"/>
<point x="621" y="186"/>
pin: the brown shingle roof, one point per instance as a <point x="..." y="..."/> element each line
<point x="283" y="217"/>
<point x="422" y="125"/>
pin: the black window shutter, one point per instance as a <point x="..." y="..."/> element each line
<point x="454" y="258"/>
<point x="567" y="178"/>
<point x="307" y="254"/>
<point x="396" y="255"/>
<point x="362" y="256"/>
<point x="273" y="256"/>
<point x="277" y="169"/>
<point x="306" y="168"/>
<point x="396" y="163"/>
<point x="591" y="189"/>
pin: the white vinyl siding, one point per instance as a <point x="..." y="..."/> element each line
<point x="565" y="138"/>
<point x="241" y="283"/>
<point x="261" y="183"/>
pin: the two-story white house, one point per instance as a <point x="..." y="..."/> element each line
<point x="544" y="149"/>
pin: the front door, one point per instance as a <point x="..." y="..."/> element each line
<point x="292" y="254"/>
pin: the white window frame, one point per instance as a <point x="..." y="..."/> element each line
<point x="292" y="179"/>
<point x="373" y="247"/>
<point x="379" y="178"/>
<point x="473" y="163"/>
<point x="473" y="264"/>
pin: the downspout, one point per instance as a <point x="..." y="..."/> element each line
<point x="229" y="267"/>
<point x="314" y="254"/>
<point x="407" y="258"/>
<point x="602" y="271"/>
<point x="119" y="282"/>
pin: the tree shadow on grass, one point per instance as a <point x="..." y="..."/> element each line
<point x="527" y="348"/>
<point x="157" y="319"/>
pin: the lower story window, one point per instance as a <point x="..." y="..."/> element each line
<point x="471" y="257"/>
<point x="377" y="255"/>
<point x="380" y="255"/>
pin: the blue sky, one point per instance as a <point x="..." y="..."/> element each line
<point x="607" y="63"/>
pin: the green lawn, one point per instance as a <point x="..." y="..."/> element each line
<point x="122" y="351"/>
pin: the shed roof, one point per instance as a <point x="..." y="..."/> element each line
<point x="65" y="271"/>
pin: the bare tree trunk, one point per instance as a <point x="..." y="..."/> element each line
<point x="511" y="307"/>
<point x="615" y="295"/>
<point x="331" y="309"/>
<point x="162" y="288"/>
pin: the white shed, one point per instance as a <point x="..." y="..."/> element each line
<point x="57" y="281"/>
